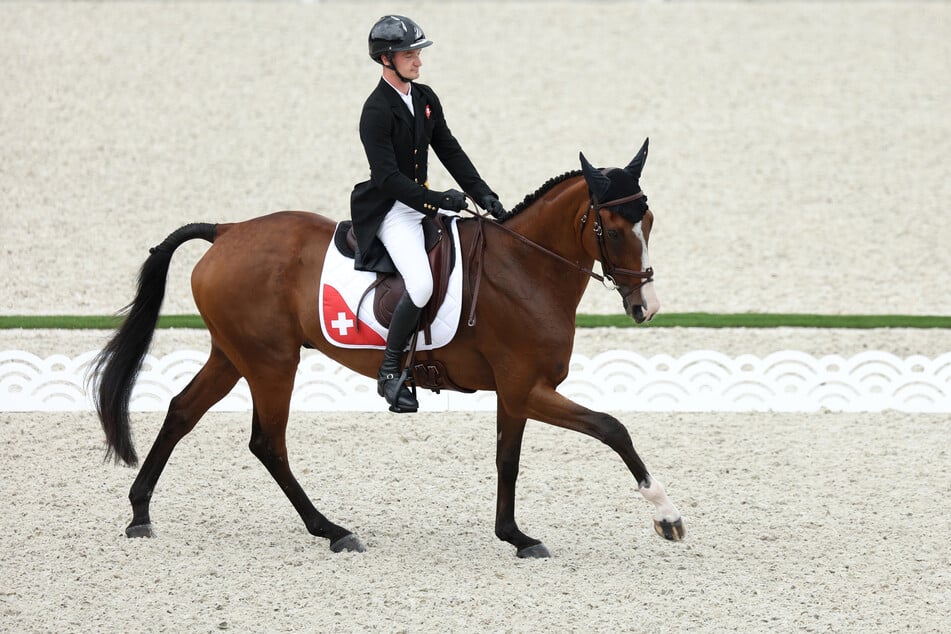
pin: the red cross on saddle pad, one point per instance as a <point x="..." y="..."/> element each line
<point x="342" y="325"/>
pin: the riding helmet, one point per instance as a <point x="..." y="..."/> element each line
<point x="393" y="33"/>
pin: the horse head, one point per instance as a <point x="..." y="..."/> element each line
<point x="622" y="234"/>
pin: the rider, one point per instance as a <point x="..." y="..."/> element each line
<point x="400" y="120"/>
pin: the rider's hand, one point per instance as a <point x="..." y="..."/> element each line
<point x="492" y="205"/>
<point x="452" y="200"/>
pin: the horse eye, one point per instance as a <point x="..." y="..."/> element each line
<point x="613" y="233"/>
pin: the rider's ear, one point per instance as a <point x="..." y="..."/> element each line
<point x="637" y="163"/>
<point x="598" y="183"/>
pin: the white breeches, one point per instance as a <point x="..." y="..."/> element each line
<point x="402" y="235"/>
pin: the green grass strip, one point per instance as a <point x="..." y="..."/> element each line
<point x="90" y="322"/>
<point x="768" y="320"/>
<point x="663" y="320"/>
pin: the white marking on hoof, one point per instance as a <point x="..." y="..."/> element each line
<point x="664" y="509"/>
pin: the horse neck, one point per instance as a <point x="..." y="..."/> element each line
<point x="554" y="221"/>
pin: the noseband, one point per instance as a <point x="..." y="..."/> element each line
<point x="612" y="272"/>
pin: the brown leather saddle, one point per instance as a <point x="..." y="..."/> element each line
<point x="390" y="286"/>
<point x="430" y="372"/>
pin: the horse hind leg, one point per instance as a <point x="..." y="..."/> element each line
<point x="268" y="443"/>
<point x="210" y="385"/>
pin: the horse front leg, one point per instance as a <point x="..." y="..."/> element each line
<point x="547" y="405"/>
<point x="508" y="450"/>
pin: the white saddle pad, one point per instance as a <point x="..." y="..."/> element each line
<point x="341" y="287"/>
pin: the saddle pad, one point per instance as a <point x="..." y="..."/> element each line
<point x="341" y="287"/>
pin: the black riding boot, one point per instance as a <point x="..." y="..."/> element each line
<point x="391" y="382"/>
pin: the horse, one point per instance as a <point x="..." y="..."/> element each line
<point x="256" y="290"/>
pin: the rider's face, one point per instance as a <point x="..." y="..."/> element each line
<point x="407" y="63"/>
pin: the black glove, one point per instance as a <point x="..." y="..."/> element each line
<point x="452" y="200"/>
<point x="492" y="205"/>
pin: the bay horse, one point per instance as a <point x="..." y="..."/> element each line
<point x="256" y="289"/>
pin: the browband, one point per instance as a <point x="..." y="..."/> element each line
<point x="619" y="201"/>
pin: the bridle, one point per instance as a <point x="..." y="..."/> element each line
<point x="610" y="271"/>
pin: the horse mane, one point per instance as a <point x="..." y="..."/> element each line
<point x="541" y="191"/>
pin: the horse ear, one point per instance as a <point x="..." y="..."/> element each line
<point x="598" y="183"/>
<point x="636" y="165"/>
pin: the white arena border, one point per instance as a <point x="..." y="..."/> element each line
<point x="614" y="381"/>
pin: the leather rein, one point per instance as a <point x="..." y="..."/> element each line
<point x="611" y="272"/>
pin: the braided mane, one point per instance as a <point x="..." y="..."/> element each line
<point x="541" y="191"/>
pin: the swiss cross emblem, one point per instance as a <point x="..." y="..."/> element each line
<point x="342" y="325"/>
<point x="428" y="111"/>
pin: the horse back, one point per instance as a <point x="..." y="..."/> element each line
<point x="263" y="273"/>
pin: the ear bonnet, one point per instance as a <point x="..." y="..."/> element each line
<point x="610" y="184"/>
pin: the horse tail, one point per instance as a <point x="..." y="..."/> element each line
<point x="114" y="370"/>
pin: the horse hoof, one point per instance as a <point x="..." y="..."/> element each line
<point x="673" y="531"/>
<point x="139" y="530"/>
<point x="350" y="543"/>
<point x="538" y="551"/>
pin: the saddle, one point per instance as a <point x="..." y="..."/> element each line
<point x="390" y="286"/>
<point x="429" y="373"/>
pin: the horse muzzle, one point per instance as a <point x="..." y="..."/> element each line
<point x="640" y="304"/>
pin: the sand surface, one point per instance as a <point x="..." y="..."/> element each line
<point x="796" y="523"/>
<point x="798" y="164"/>
<point x="798" y="151"/>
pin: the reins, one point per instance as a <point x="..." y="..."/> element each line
<point x="477" y="250"/>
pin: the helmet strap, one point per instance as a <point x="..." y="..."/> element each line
<point x="392" y="67"/>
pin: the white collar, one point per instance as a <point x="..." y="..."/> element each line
<point x="407" y="98"/>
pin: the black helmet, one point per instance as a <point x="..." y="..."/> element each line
<point x="393" y="33"/>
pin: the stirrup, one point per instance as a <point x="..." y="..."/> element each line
<point x="402" y="401"/>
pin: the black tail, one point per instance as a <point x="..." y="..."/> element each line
<point x="114" y="370"/>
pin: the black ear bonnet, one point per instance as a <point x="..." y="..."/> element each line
<point x="606" y="185"/>
<point x="623" y="184"/>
